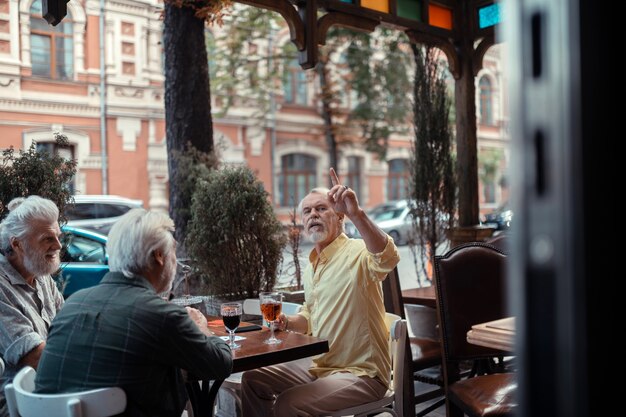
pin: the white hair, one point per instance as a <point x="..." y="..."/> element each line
<point x="316" y="190"/>
<point x="23" y="212"/>
<point x="135" y="237"/>
<point x="323" y="191"/>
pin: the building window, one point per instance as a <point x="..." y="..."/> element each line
<point x="65" y="152"/>
<point x="353" y="176"/>
<point x="51" y="47"/>
<point x="298" y="177"/>
<point x="486" y="101"/>
<point x="398" y="182"/>
<point x="295" y="84"/>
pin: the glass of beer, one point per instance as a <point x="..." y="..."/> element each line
<point x="231" y="315"/>
<point x="271" y="306"/>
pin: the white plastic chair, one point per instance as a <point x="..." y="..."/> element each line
<point x="23" y="402"/>
<point x="252" y="306"/>
<point x="232" y="384"/>
<point x="1" y="366"/>
<point x="392" y="401"/>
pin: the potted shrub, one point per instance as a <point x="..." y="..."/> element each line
<point x="234" y="238"/>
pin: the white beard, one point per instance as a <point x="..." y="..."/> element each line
<point x="320" y="236"/>
<point x="37" y="264"/>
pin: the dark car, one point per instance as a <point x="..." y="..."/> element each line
<point x="500" y="218"/>
<point x="84" y="260"/>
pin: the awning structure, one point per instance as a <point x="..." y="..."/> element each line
<point x="462" y="29"/>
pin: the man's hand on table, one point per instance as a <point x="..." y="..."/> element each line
<point x="200" y="321"/>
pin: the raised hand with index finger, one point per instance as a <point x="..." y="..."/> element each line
<point x="342" y="198"/>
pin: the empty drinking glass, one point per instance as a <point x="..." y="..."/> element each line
<point x="231" y="315"/>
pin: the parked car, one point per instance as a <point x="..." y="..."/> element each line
<point x="500" y="218"/>
<point x="98" y="212"/>
<point x="84" y="260"/>
<point x="393" y="217"/>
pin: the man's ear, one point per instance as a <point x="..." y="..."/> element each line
<point x="15" y="243"/>
<point x="158" y="257"/>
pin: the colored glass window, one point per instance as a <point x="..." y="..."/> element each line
<point x="378" y="5"/>
<point x="439" y="16"/>
<point x="488" y="16"/>
<point x="410" y="9"/>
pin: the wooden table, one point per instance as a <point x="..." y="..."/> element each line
<point x="423" y="296"/>
<point x="253" y="354"/>
<point x="497" y="334"/>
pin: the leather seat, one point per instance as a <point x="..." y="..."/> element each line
<point x="488" y="395"/>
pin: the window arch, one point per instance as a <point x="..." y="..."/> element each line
<point x="298" y="177"/>
<point x="398" y="179"/>
<point x="486" y="101"/>
<point x="51" y="47"/>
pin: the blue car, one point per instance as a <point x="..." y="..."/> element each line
<point x="84" y="260"/>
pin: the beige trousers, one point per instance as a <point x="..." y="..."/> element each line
<point x="289" y="390"/>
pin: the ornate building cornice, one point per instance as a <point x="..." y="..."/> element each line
<point x="48" y="107"/>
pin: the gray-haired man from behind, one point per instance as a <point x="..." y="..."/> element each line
<point x="29" y="299"/>
<point x="122" y="333"/>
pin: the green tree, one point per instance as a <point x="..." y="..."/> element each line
<point x="29" y="172"/>
<point x="488" y="163"/>
<point x="248" y="74"/>
<point x="433" y="181"/>
<point x="380" y="82"/>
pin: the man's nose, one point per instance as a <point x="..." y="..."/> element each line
<point x="57" y="244"/>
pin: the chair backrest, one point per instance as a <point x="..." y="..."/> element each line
<point x="398" y="336"/>
<point x="291" y="308"/>
<point x="1" y="366"/>
<point x="23" y="402"/>
<point x="392" y="293"/>
<point x="470" y="285"/>
<point x="501" y="242"/>
<point x="252" y="306"/>
<point x="422" y="321"/>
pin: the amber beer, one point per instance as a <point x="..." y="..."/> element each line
<point x="271" y="311"/>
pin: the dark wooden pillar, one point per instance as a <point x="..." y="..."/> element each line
<point x="466" y="143"/>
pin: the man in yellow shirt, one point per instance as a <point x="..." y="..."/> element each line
<point x="344" y="304"/>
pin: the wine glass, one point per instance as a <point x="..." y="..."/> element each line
<point x="231" y="315"/>
<point x="271" y="306"/>
<point x="186" y="299"/>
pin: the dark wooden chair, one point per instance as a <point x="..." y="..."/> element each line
<point x="500" y="241"/>
<point x="425" y="348"/>
<point x="470" y="286"/>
